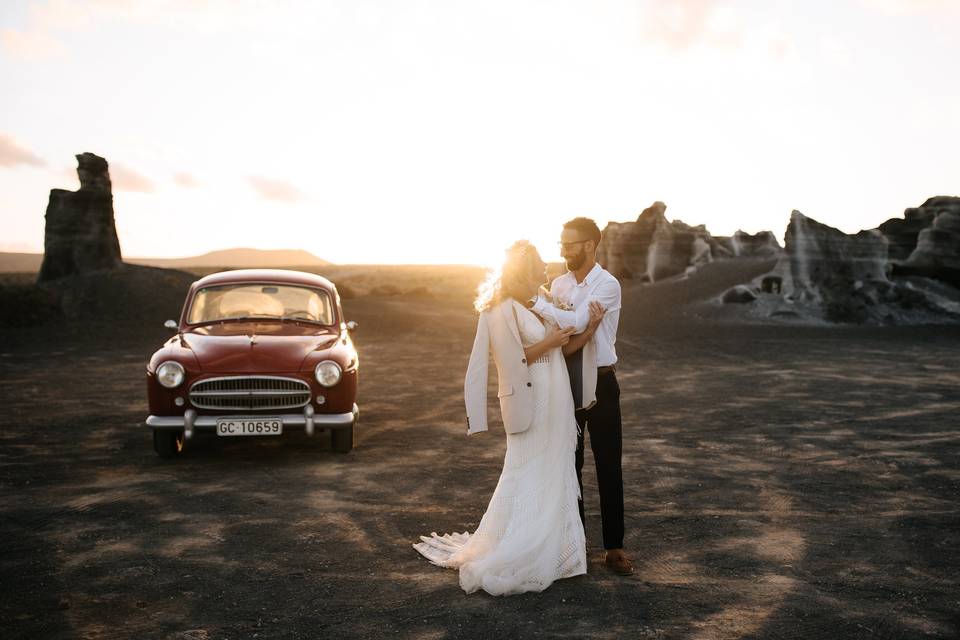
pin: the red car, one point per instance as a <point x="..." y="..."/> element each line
<point x="258" y="352"/>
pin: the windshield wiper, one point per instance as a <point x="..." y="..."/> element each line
<point x="233" y="319"/>
<point x="296" y="319"/>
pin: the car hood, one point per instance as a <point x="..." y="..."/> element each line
<point x="234" y="347"/>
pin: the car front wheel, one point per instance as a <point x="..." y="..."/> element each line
<point x="342" y="439"/>
<point x="167" y="444"/>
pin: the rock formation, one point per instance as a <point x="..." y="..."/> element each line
<point x="759" y="245"/>
<point x="901" y="233"/>
<point x="821" y="256"/>
<point x="81" y="234"/>
<point x="830" y="267"/>
<point x="739" y="294"/>
<point x="847" y="278"/>
<point x="937" y="250"/>
<point x="905" y="272"/>
<point x="653" y="248"/>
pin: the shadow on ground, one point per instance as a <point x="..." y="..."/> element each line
<point x="781" y="482"/>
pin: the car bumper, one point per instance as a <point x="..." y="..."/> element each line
<point x="308" y="419"/>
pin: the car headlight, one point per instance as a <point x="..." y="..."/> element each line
<point x="327" y="373"/>
<point x="170" y="374"/>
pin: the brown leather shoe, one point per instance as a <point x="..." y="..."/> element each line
<point x="618" y="562"/>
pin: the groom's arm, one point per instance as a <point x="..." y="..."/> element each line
<point x="606" y="293"/>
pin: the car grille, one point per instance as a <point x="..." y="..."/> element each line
<point x="249" y="393"/>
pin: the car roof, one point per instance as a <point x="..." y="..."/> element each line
<point x="273" y="276"/>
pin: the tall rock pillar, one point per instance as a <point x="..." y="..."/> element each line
<point x="81" y="234"/>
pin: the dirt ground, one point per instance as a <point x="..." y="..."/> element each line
<point x="780" y="481"/>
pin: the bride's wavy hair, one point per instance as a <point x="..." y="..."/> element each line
<point x="509" y="279"/>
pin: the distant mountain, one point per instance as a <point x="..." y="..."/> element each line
<point x="20" y="262"/>
<point x="235" y="258"/>
<point x="238" y="258"/>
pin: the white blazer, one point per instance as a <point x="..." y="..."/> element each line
<point x="497" y="331"/>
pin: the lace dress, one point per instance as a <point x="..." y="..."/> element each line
<point x="531" y="533"/>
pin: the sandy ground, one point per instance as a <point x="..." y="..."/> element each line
<point x="781" y="482"/>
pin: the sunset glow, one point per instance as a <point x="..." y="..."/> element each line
<point x="439" y="132"/>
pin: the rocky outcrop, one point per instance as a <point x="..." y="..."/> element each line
<point x="81" y="234"/>
<point x="847" y="278"/>
<point x="902" y="233"/>
<point x="758" y="245"/>
<point x="830" y="267"/>
<point x="653" y="248"/>
<point x="937" y="251"/>
<point x="618" y="251"/>
<point x="905" y="272"/>
<point x="822" y="257"/>
<point x="739" y="294"/>
<point x="628" y="249"/>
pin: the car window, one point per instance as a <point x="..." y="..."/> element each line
<point x="234" y="301"/>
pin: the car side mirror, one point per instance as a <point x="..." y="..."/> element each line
<point x="352" y="325"/>
<point x="171" y="324"/>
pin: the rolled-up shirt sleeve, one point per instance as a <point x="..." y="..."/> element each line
<point x="608" y="294"/>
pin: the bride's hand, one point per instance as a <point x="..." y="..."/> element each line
<point x="558" y="337"/>
<point x="597" y="312"/>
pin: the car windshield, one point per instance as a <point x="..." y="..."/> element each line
<point x="259" y="301"/>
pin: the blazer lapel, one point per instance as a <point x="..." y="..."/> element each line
<point x="510" y="317"/>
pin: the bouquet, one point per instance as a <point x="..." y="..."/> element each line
<point x="556" y="301"/>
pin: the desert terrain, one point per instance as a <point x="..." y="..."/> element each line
<point x="786" y="480"/>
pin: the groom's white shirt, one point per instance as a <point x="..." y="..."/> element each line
<point x="497" y="332"/>
<point x="600" y="351"/>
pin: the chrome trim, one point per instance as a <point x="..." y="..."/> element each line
<point x="234" y="389"/>
<point x="242" y="377"/>
<point x="206" y="423"/>
<point x="308" y="419"/>
<point x="189" y="417"/>
<point x="244" y="393"/>
<point x="353" y="365"/>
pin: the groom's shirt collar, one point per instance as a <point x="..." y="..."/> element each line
<point x="591" y="276"/>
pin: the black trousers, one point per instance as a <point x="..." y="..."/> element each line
<point x="604" y="423"/>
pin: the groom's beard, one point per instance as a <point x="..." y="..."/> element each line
<point x="575" y="262"/>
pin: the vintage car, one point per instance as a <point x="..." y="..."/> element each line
<point x="258" y="352"/>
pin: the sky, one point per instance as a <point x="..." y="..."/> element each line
<point x="440" y="131"/>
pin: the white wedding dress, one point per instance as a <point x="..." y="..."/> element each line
<point x="531" y="533"/>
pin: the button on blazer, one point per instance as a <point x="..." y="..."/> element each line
<point x="497" y="332"/>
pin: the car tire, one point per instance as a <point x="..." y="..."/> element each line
<point x="167" y="444"/>
<point x="342" y="439"/>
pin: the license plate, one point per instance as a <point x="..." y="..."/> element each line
<point x="268" y="427"/>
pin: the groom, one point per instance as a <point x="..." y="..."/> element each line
<point x="593" y="377"/>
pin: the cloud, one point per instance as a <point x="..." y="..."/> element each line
<point x="912" y="7"/>
<point x="125" y="179"/>
<point x="12" y="154"/>
<point x="48" y="21"/>
<point x="684" y="25"/>
<point x="186" y="180"/>
<point x="278" y="190"/>
<point x="779" y="46"/>
<point x="32" y="44"/>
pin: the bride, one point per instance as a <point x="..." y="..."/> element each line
<point x="531" y="533"/>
